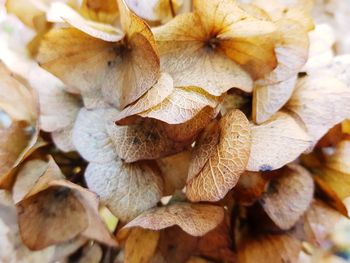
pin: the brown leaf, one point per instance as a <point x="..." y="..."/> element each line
<point x="41" y="217"/>
<point x="16" y="100"/>
<point x="195" y="219"/>
<point x="125" y="69"/>
<point x="127" y="189"/>
<point x="288" y="196"/>
<point x="321" y="102"/>
<point x="183" y="104"/>
<point x="226" y="162"/>
<point x="147" y="139"/>
<point x="51" y="203"/>
<point x="12" y="247"/>
<point x="276" y="142"/>
<point x="205" y="48"/>
<point x="29" y="173"/>
<point x="15" y="142"/>
<point x="141" y="245"/>
<point x="174" y="170"/>
<point x="154" y="96"/>
<point x="270" y="248"/>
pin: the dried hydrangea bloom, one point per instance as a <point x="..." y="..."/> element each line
<point x="216" y="47"/>
<point x="120" y="68"/>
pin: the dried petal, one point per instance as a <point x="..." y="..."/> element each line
<point x="288" y="196"/>
<point x="127" y="189"/>
<point x="225" y="164"/>
<point x="276" y="142"/>
<point x="16" y="100"/>
<point x="321" y="102"/>
<point x="195" y="219"/>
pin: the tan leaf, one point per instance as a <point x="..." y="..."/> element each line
<point x="174" y="170"/>
<point x="298" y="10"/>
<point x="90" y="136"/>
<point x="147" y="139"/>
<point x="187" y="131"/>
<point x="195" y="219"/>
<point x="12" y="247"/>
<point x="125" y="69"/>
<point x="270" y="248"/>
<point x="321" y="102"/>
<point x="267" y="100"/>
<point x="61" y="12"/>
<point x="183" y="104"/>
<point x="226" y="162"/>
<point x="15" y="142"/>
<point x="205" y="48"/>
<point x="41" y="217"/>
<point x="63" y="139"/>
<point x="141" y="245"/>
<point x="288" y="196"/>
<point x="276" y="142"/>
<point x="26" y="178"/>
<point x="16" y="100"/>
<point x="205" y="146"/>
<point x="127" y="189"/>
<point x="154" y="96"/>
<point x="42" y="212"/>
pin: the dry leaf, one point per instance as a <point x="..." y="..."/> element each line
<point x="320" y="102"/>
<point x="195" y="219"/>
<point x="267" y="100"/>
<point x="127" y="189"/>
<point x="141" y="245"/>
<point x="15" y="141"/>
<point x="270" y="248"/>
<point x="288" y="196"/>
<point x="181" y="105"/>
<point x="122" y="70"/>
<point x="147" y="139"/>
<point x="276" y="142"/>
<point x="226" y="162"/>
<point x="53" y="202"/>
<point x="154" y="96"/>
<point x="16" y="100"/>
<point x="206" y="48"/>
<point x="11" y="246"/>
<point x="28" y="175"/>
<point x="41" y="217"/>
<point x="174" y="170"/>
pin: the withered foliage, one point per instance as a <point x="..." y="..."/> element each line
<point x="172" y="131"/>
